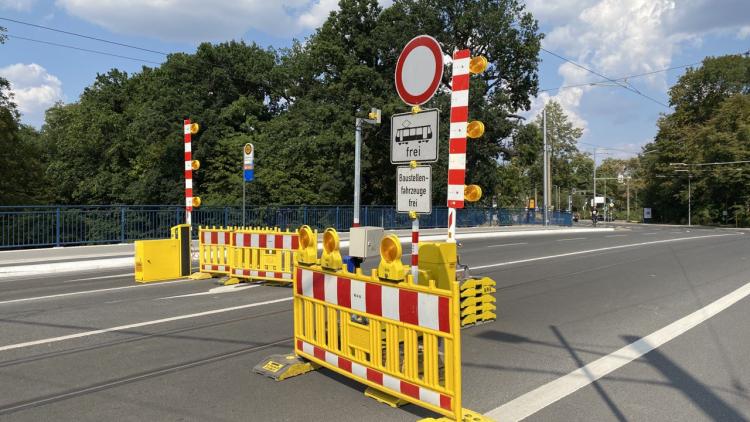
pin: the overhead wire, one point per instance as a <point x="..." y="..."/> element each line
<point x="75" y="34"/>
<point x="621" y="78"/>
<point x="82" y="49"/>
<point x="629" y="88"/>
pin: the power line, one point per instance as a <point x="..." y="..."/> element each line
<point x="622" y="78"/>
<point x="82" y="49"/>
<point x="629" y="88"/>
<point x="84" y="36"/>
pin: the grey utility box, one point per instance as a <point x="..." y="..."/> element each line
<point x="364" y="242"/>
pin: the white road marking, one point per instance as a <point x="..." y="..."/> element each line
<point x="508" y="244"/>
<point x="616" y="235"/>
<point x="646" y="234"/>
<point x="541" y="258"/>
<point x="536" y="400"/>
<point x="100" y="277"/>
<point x="137" y="325"/>
<point x="84" y="292"/>
<point x="216" y="290"/>
<point x="573" y="238"/>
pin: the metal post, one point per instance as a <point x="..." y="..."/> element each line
<point x="545" y="199"/>
<point x="594" y="201"/>
<point x="627" y="198"/>
<point x="357" y="169"/>
<point x="415" y="247"/>
<point x="57" y="226"/>
<point x="690" y="205"/>
<point x="605" y="201"/>
<point x="122" y="224"/>
<point x="243" y="200"/>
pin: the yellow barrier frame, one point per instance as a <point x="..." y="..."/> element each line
<point x="263" y="254"/>
<point x="214" y="250"/>
<point x="359" y="326"/>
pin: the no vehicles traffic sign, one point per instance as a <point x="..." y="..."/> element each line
<point x="414" y="189"/>
<point x="419" y="70"/>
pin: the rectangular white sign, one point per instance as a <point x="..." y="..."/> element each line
<point x="414" y="189"/>
<point x="647" y="213"/>
<point x="414" y="136"/>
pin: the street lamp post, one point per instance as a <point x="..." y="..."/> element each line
<point x="374" y="119"/>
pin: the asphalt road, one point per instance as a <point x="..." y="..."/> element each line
<point x="96" y="346"/>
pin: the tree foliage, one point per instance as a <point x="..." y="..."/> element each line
<point x="121" y="142"/>
<point x="711" y="123"/>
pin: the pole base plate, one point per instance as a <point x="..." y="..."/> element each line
<point x="384" y="398"/>
<point x="281" y="367"/>
<point x="468" y="416"/>
<point x="200" y="276"/>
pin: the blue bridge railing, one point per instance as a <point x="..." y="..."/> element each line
<point x="33" y="226"/>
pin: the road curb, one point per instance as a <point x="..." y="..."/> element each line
<point x="112" y="263"/>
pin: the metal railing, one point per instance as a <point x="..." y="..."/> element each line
<point x="35" y="226"/>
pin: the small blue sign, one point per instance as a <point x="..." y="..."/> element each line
<point x="249" y="175"/>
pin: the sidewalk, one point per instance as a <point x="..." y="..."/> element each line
<point x="100" y="257"/>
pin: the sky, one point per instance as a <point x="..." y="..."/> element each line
<point x="614" y="38"/>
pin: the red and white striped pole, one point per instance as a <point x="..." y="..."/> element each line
<point x="188" y="173"/>
<point x="457" y="143"/>
<point x="414" y="246"/>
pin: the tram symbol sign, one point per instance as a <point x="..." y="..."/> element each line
<point x="414" y="136"/>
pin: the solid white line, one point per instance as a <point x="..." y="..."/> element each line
<point x="84" y="292"/>
<point x="99" y="278"/>
<point x="536" y="400"/>
<point x="616" y="235"/>
<point x="573" y="238"/>
<point x="137" y="325"/>
<point x="646" y="234"/>
<point x="508" y="244"/>
<point x="541" y="258"/>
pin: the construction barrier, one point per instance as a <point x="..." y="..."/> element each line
<point x="477" y="301"/>
<point x="264" y="254"/>
<point x="398" y="337"/>
<point x="163" y="259"/>
<point x="214" y="250"/>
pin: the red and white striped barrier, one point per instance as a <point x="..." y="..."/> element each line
<point x="267" y="241"/>
<point x="365" y="375"/>
<point x="216" y="238"/>
<point x="410" y="307"/>
<point x="188" y="173"/>
<point x="275" y="275"/>
<point x="457" y="142"/>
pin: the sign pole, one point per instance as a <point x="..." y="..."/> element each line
<point x="188" y="173"/>
<point x="248" y="173"/>
<point x="457" y="142"/>
<point x="414" y="246"/>
<point x="357" y="168"/>
<point x="244" y="184"/>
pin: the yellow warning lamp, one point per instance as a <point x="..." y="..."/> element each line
<point x="390" y="267"/>
<point x="194" y="128"/>
<point x="475" y="129"/>
<point x="195" y="165"/>
<point x="196" y="201"/>
<point x="331" y="258"/>
<point x="478" y="64"/>
<point x="307" y="254"/>
<point x="472" y="193"/>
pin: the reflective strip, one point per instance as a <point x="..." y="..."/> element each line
<point x="188" y="166"/>
<point x="239" y="240"/>
<point x="187" y="146"/>
<point x="186" y="129"/>
<point x="220" y="240"/>
<point x="458" y="130"/>
<point x="460" y="98"/>
<point x="428" y="312"/>
<point x="331" y="289"/>
<point x="188" y="183"/>
<point x="189" y="201"/>
<point x="461" y="66"/>
<point x="390" y="302"/>
<point x="357" y="292"/>
<point x="270" y="241"/>
<point x="207" y="237"/>
<point x="456" y="192"/>
<point x="307" y="283"/>
<point x="288" y="242"/>
<point x="255" y="240"/>
<point x="457" y="161"/>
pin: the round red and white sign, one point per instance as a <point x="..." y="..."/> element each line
<point x="419" y="70"/>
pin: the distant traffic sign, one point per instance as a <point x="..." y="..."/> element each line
<point x="414" y="136"/>
<point x="414" y="189"/>
<point x="248" y="167"/>
<point x="419" y="70"/>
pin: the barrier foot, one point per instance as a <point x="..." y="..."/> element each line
<point x="231" y="281"/>
<point x="384" y="397"/>
<point x="281" y="367"/>
<point x="200" y="276"/>
<point x="468" y="416"/>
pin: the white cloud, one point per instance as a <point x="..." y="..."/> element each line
<point x="623" y="37"/>
<point x="199" y="20"/>
<point x="18" y="5"/>
<point x="34" y="89"/>
<point x="744" y="32"/>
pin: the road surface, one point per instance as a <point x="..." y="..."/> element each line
<point x="96" y="346"/>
